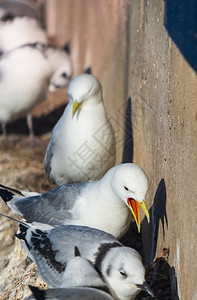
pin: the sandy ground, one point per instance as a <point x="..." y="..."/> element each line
<point x="21" y="167"/>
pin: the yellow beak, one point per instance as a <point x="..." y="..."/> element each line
<point x="135" y="209"/>
<point x="76" y="107"/>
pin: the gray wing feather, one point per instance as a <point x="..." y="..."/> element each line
<point x="52" y="249"/>
<point x="50" y="151"/>
<point x="73" y="294"/>
<point x="85" y="238"/>
<point x="52" y="207"/>
<point x="48" y="157"/>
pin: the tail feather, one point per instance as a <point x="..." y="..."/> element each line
<point x="12" y="190"/>
<point x="7" y="194"/>
<point x="38" y="294"/>
<point x="25" y="224"/>
<point x="23" y="229"/>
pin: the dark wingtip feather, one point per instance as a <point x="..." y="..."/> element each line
<point x="23" y="228"/>
<point x="38" y="294"/>
<point x="6" y="195"/>
<point x="10" y="189"/>
<point x="20" y="236"/>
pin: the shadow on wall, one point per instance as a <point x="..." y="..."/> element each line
<point x="157" y="213"/>
<point x="160" y="266"/>
<point x="159" y="274"/>
<point x="180" y="22"/>
<point x="127" y="156"/>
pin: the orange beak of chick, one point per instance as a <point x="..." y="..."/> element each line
<point x="135" y="209"/>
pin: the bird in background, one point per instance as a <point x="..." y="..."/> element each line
<point x="29" y="67"/>
<point x="27" y="73"/>
<point x="51" y="249"/>
<point x="82" y="144"/>
<point x="81" y="280"/>
<point x="17" y="31"/>
<point x="106" y="204"/>
<point x="13" y="8"/>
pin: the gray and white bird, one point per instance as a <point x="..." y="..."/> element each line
<point x="103" y="204"/>
<point x="27" y="72"/>
<point x="80" y="281"/>
<point x="121" y="267"/>
<point x="82" y="145"/>
<point x="26" y="76"/>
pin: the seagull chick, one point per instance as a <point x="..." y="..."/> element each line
<point x="82" y="145"/>
<point x="103" y="204"/>
<point x="120" y="267"/>
<point x="26" y="73"/>
<point x="80" y="281"/>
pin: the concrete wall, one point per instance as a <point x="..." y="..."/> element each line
<point x="130" y="51"/>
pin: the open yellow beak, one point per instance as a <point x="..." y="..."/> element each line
<point x="76" y="107"/>
<point x="135" y="209"/>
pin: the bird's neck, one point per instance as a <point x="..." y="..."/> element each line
<point x="95" y="101"/>
<point x="106" y="191"/>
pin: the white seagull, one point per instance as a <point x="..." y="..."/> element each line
<point x="51" y="249"/>
<point x="82" y="145"/>
<point x="27" y="72"/>
<point x="103" y="204"/>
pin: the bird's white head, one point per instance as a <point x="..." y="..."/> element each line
<point x="125" y="273"/>
<point x="130" y="184"/>
<point x="61" y="66"/>
<point x="84" y="88"/>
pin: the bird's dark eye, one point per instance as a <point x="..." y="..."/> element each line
<point x="64" y="75"/>
<point x="126" y="188"/>
<point x="123" y="273"/>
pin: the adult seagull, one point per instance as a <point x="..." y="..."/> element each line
<point x="82" y="145"/>
<point x="103" y="204"/>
